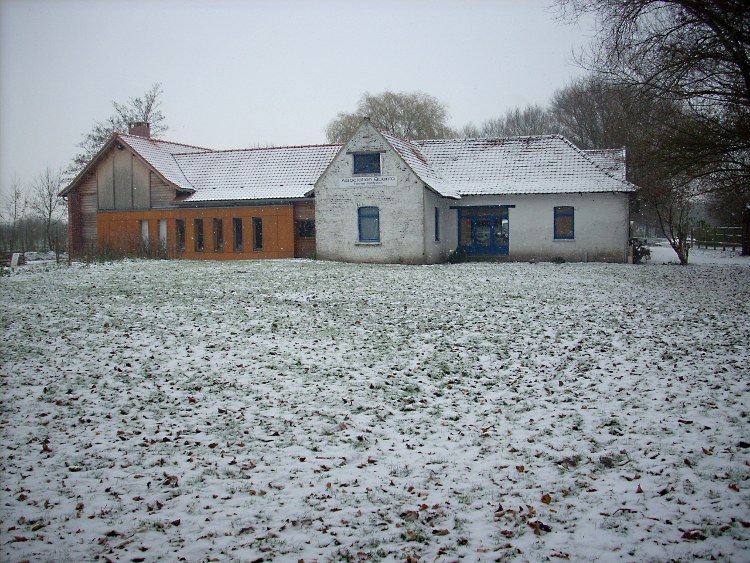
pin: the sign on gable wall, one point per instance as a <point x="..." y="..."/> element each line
<point x="366" y="181"/>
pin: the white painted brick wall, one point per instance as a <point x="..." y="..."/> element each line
<point x="601" y="226"/>
<point x="401" y="208"/>
<point x="436" y="252"/>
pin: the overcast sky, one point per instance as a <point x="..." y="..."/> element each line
<point x="238" y="74"/>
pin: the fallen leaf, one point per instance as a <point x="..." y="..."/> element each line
<point x="539" y="527"/>
<point x="410" y="515"/>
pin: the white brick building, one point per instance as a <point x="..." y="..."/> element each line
<point x="386" y="199"/>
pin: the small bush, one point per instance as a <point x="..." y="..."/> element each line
<point x="457" y="256"/>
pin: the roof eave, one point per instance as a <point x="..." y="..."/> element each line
<point x="156" y="171"/>
<point x="106" y="148"/>
<point x="436" y="192"/>
<point x="237" y="202"/>
<point x="91" y="163"/>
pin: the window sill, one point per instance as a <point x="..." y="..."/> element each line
<point x="564" y="240"/>
<point x="365" y="243"/>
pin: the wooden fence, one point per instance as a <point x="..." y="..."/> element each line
<point x="718" y="237"/>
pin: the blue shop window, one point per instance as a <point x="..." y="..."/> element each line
<point x="369" y="224"/>
<point x="367" y="163"/>
<point x="564" y="225"/>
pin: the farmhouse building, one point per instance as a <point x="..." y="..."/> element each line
<point x="377" y="198"/>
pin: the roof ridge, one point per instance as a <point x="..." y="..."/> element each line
<point x="222" y="151"/>
<point x="601" y="150"/>
<point x="509" y="138"/>
<point x="204" y="149"/>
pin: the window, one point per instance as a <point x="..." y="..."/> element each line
<point x="564" y="222"/>
<point x="367" y="163"/>
<point x="144" y="232"/>
<point x="437" y="225"/>
<point x="180" y="234"/>
<point x="218" y="235"/>
<point x="237" y="230"/>
<point x="305" y="228"/>
<point x="163" y="234"/>
<point x="257" y="233"/>
<point x="369" y="224"/>
<point x="198" y="235"/>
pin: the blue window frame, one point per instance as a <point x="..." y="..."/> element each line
<point x="564" y="223"/>
<point x="369" y="224"/>
<point x="367" y="163"/>
<point x="437" y="224"/>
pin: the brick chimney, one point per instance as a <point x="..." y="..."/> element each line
<point x="140" y="128"/>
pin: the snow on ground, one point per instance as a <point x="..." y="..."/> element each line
<point x="662" y="253"/>
<point x="300" y="410"/>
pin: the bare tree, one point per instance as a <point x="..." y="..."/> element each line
<point x="692" y="52"/>
<point x="46" y="204"/>
<point x="410" y="115"/>
<point x="14" y="204"/>
<point x="596" y="113"/>
<point x="145" y="108"/>
<point x="517" y="122"/>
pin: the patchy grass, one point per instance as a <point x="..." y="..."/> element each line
<point x="319" y="411"/>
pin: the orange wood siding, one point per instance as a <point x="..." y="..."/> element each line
<point x="121" y="231"/>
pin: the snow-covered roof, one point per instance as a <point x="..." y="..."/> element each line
<point x="518" y="165"/>
<point x="612" y="160"/>
<point x="268" y="173"/>
<point x="250" y="174"/>
<point x="450" y="167"/>
<point x="160" y="155"/>
<point x="411" y="154"/>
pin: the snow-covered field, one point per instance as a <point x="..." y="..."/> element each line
<point x="299" y="410"/>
